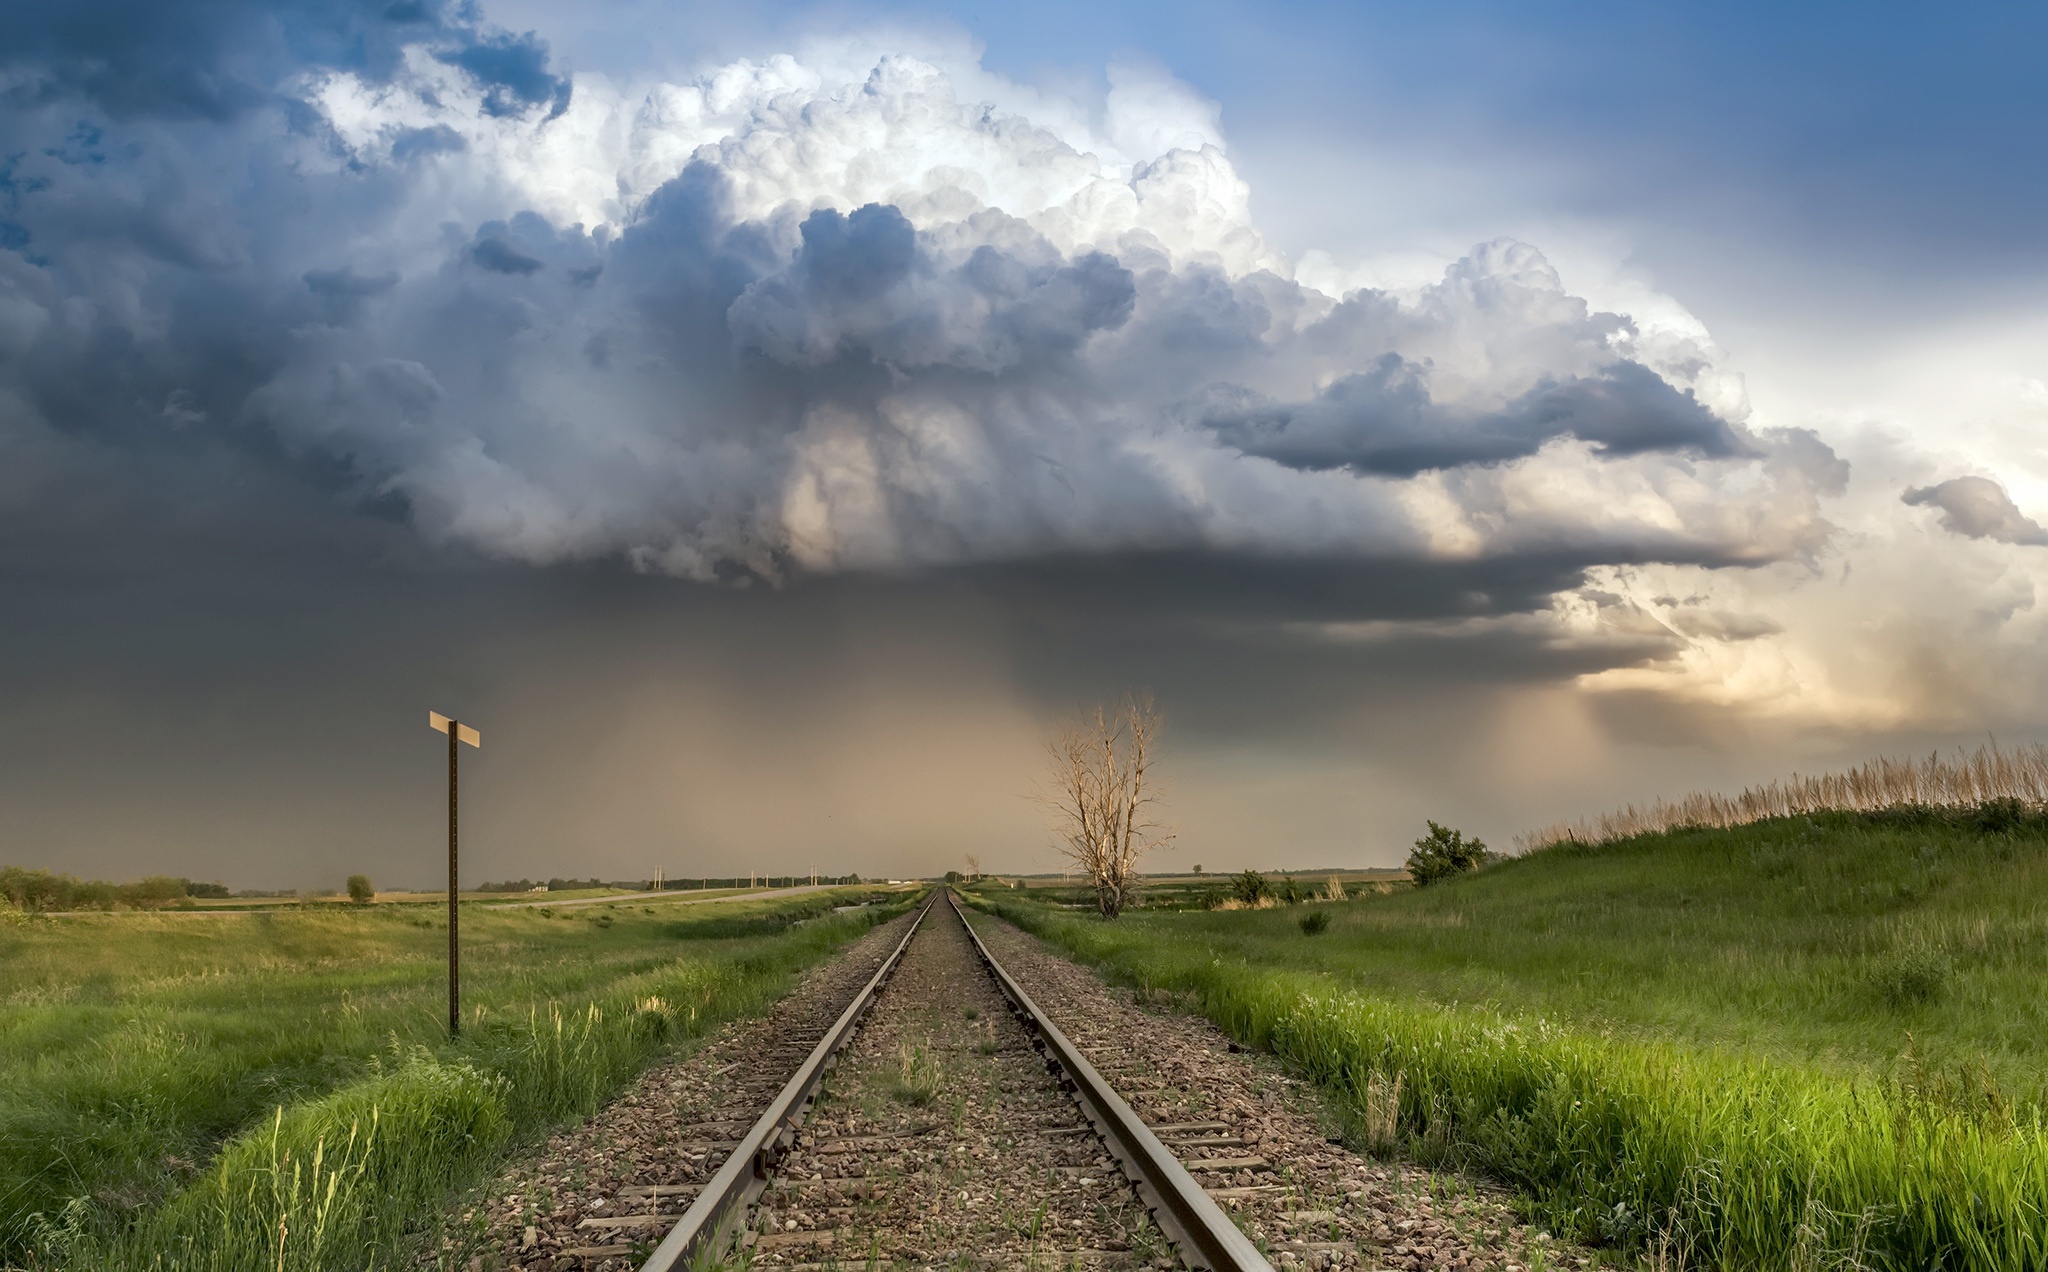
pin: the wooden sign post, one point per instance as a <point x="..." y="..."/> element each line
<point x="457" y="733"/>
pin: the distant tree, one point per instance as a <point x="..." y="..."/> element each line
<point x="1101" y="793"/>
<point x="153" y="893"/>
<point x="1251" y="887"/>
<point x="193" y="889"/>
<point x="512" y="885"/>
<point x="1444" y="854"/>
<point x="1198" y="867"/>
<point x="952" y="876"/>
<point x="359" y="889"/>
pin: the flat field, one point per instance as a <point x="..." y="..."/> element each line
<point x="140" y="1053"/>
<point x="1808" y="1038"/>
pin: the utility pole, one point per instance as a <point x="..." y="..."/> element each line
<point x="457" y="733"/>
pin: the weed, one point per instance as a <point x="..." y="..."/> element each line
<point x="916" y="1076"/>
<point x="1315" y="923"/>
<point x="1379" y="1113"/>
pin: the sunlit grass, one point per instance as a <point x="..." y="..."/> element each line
<point x="132" y="1047"/>
<point x="1800" y="1040"/>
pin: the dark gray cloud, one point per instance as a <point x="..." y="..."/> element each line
<point x="319" y="409"/>
<point x="500" y="257"/>
<point x="218" y="59"/>
<point x="862" y="286"/>
<point x="513" y="70"/>
<point x="1979" y="508"/>
<point x="1384" y="421"/>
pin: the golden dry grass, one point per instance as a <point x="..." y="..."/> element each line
<point x="1967" y="780"/>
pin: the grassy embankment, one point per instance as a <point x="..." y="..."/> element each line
<point x="1790" y="1043"/>
<point x="277" y="1091"/>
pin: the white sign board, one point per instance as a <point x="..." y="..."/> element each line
<point x="439" y="723"/>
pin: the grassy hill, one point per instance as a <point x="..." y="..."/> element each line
<point x="1848" y="940"/>
<point x="1808" y="1038"/>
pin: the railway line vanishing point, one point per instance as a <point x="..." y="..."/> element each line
<point x="913" y="1106"/>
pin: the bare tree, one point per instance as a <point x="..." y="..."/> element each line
<point x="1102" y="792"/>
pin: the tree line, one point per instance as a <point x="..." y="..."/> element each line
<point x="44" y="892"/>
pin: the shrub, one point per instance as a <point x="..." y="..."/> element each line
<point x="359" y="889"/>
<point x="153" y="893"/>
<point x="1914" y="977"/>
<point x="1315" y="922"/>
<point x="1251" y="887"/>
<point x="1443" y="854"/>
<point x="2001" y="816"/>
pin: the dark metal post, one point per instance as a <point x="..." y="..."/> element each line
<point x="454" y="949"/>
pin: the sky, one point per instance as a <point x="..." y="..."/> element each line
<point x="765" y="423"/>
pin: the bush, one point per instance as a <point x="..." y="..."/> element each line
<point x="1444" y="854"/>
<point x="1914" y="977"/>
<point x="359" y="889"/>
<point x="1315" y="922"/>
<point x="40" y="891"/>
<point x="1251" y="887"/>
<point x="153" y="893"/>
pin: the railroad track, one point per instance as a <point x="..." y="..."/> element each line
<point x="947" y="1132"/>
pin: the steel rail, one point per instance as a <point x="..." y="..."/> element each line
<point x="1206" y="1238"/>
<point x="708" y="1224"/>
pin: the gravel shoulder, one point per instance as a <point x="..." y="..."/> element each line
<point x="1272" y="1161"/>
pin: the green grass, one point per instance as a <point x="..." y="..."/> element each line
<point x="1784" y="1044"/>
<point x="171" y="1089"/>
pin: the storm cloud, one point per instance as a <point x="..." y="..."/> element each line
<point x="752" y="327"/>
<point x="1384" y="421"/>
<point x="381" y="325"/>
<point x="1978" y="508"/>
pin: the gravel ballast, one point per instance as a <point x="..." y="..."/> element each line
<point x="1306" y="1199"/>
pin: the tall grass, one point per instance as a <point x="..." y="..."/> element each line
<point x="343" y="1175"/>
<point x="1737" y="1160"/>
<point x="1966" y="781"/>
